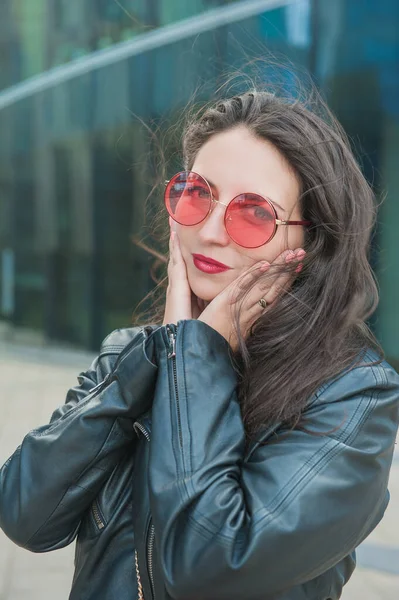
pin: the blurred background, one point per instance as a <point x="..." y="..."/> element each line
<point x="74" y="163"/>
<point x="78" y="83"/>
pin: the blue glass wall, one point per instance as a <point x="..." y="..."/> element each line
<point x="357" y="64"/>
<point x="76" y="166"/>
<point x="40" y="34"/>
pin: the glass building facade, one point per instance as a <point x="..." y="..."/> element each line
<point x="79" y="80"/>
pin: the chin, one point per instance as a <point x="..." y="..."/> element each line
<point x="204" y="286"/>
<point x="203" y="289"/>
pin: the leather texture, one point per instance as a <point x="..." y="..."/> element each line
<point x="147" y="454"/>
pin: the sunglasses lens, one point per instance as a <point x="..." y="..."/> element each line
<point x="187" y="198"/>
<point x="250" y="220"/>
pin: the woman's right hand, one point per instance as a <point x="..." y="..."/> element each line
<point x="181" y="302"/>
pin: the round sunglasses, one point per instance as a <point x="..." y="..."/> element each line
<point x="250" y="220"/>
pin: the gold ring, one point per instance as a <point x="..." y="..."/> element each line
<point x="262" y="302"/>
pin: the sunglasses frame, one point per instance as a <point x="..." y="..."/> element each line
<point x="277" y="221"/>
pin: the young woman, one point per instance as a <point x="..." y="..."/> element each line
<point x="241" y="446"/>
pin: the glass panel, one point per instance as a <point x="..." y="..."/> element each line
<point x="358" y="65"/>
<point x="35" y="36"/>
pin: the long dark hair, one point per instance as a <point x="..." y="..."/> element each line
<point x="318" y="328"/>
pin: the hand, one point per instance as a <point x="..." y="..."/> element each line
<point x="181" y="302"/>
<point x="219" y="314"/>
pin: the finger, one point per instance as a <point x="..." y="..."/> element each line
<point x="255" y="272"/>
<point x="172" y="244"/>
<point x="243" y="281"/>
<point x="180" y="262"/>
<point x="269" y="281"/>
<point x="277" y="278"/>
<point x="176" y="245"/>
<point x="176" y="258"/>
<point x="172" y="233"/>
<point x="177" y="271"/>
<point x="285" y="278"/>
<point x="260" y="284"/>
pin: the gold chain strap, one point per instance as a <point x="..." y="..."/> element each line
<point x="140" y="587"/>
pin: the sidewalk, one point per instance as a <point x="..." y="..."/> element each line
<point x="34" y="381"/>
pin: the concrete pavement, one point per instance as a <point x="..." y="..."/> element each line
<point x="33" y="382"/>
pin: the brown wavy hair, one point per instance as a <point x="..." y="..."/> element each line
<point x="318" y="328"/>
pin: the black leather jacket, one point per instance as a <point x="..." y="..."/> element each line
<point x="147" y="456"/>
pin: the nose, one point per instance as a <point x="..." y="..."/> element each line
<point x="212" y="229"/>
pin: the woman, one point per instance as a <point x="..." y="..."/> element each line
<point x="242" y="448"/>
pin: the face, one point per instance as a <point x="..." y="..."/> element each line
<point x="235" y="162"/>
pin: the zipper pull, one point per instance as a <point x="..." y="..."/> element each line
<point x="172" y="340"/>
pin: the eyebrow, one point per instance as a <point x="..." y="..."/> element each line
<point x="272" y="201"/>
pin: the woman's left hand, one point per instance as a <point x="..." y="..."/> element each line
<point x="218" y="313"/>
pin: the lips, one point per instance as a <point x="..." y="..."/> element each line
<point x="210" y="261"/>
<point x="212" y="267"/>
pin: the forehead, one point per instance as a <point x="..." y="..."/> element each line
<point x="236" y="161"/>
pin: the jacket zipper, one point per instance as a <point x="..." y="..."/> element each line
<point x="150" y="549"/>
<point x="151" y="528"/>
<point x="172" y="332"/>
<point x="96" y="514"/>
<point x="140" y="427"/>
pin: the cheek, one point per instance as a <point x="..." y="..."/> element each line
<point x="286" y="237"/>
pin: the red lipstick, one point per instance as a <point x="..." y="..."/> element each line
<point x="208" y="265"/>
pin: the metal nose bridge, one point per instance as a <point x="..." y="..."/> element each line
<point x="223" y="204"/>
<point x="219" y="202"/>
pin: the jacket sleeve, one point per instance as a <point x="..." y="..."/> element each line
<point x="231" y="528"/>
<point x="54" y="475"/>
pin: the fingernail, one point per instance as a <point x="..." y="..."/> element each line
<point x="264" y="266"/>
<point x="300" y="254"/>
<point x="299" y="268"/>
